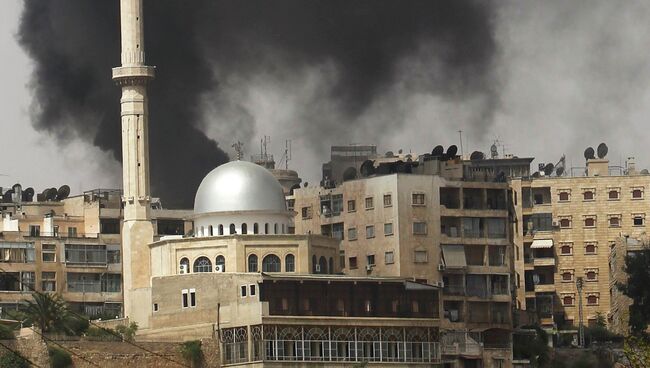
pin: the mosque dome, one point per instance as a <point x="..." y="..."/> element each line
<point x="239" y="186"/>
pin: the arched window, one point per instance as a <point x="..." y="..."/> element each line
<point x="252" y="263"/>
<point x="271" y="263"/>
<point x="232" y="229"/>
<point x="202" y="231"/>
<point x="331" y="266"/>
<point x="244" y="229"/>
<point x="220" y="261"/>
<point x="210" y="230"/>
<point x="184" y="265"/>
<point x="256" y="228"/>
<point x="314" y="261"/>
<point x="283" y="232"/>
<point x="266" y="228"/>
<point x="275" y="228"/>
<point x="290" y="263"/>
<point x="202" y="264"/>
<point x="220" y="229"/>
<point x="322" y="263"/>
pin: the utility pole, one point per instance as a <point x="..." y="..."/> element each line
<point x="460" y="134"/>
<point x="581" y="327"/>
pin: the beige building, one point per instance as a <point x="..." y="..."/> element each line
<point x="71" y="246"/>
<point x="566" y="229"/>
<point x="435" y="228"/>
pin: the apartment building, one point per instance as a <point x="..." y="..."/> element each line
<point x="566" y="228"/>
<point x="70" y="246"/>
<point x="437" y="226"/>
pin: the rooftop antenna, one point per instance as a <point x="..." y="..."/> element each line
<point x="239" y="148"/>
<point x="287" y="154"/>
<point x="460" y="135"/>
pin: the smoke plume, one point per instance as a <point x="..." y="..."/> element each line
<point x="226" y="70"/>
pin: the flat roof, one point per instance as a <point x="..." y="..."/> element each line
<point x="341" y="278"/>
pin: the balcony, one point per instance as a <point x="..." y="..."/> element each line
<point x="540" y="262"/>
<point x="545" y="288"/>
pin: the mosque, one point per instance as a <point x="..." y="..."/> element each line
<point x="271" y="298"/>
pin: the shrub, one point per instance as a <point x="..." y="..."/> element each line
<point x="191" y="351"/>
<point x="128" y="333"/>
<point x="59" y="358"/>
<point x="103" y="334"/>
<point x="77" y="325"/>
<point x="6" y="333"/>
<point x="12" y="360"/>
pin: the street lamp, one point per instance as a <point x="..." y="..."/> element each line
<point x="581" y="328"/>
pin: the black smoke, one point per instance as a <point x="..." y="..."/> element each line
<point x="74" y="44"/>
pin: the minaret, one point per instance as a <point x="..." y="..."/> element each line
<point x="137" y="229"/>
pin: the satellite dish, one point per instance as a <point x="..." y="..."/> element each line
<point x="589" y="154"/>
<point x="438" y="151"/>
<point x="400" y="151"/>
<point x="7" y="196"/>
<point x="602" y="150"/>
<point x="28" y="195"/>
<point x="349" y="174"/>
<point x="645" y="172"/>
<point x="294" y="187"/>
<point x="548" y="169"/>
<point x="536" y="174"/>
<point x="51" y="194"/>
<point x="390" y="154"/>
<point x="559" y="171"/>
<point x="451" y="151"/>
<point x="63" y="192"/>
<point x="477" y="155"/>
<point x="367" y="168"/>
<point x="494" y="151"/>
<point x="501" y="177"/>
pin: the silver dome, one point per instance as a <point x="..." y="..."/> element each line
<point x="239" y="186"/>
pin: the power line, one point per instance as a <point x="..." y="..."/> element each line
<point x="14" y="352"/>
<point x="114" y="333"/>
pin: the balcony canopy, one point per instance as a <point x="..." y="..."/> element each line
<point x="454" y="256"/>
<point x="542" y="243"/>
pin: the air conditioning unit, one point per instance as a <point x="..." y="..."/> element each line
<point x="368" y="268"/>
<point x="317" y="268"/>
<point x="184" y="269"/>
<point x="555" y="224"/>
<point x="218" y="268"/>
<point x="440" y="284"/>
<point x="453" y="315"/>
<point x="441" y="267"/>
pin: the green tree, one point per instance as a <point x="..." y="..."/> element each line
<point x="636" y="288"/>
<point x="637" y="352"/>
<point x="12" y="360"/>
<point x="191" y="351"/>
<point x="532" y="347"/>
<point x="50" y="313"/>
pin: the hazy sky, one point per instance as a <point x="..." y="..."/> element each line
<point x="571" y="74"/>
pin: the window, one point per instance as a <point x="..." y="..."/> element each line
<point x="271" y="263"/>
<point x="370" y="231"/>
<point x="342" y="258"/>
<point x="352" y="233"/>
<point x="266" y="228"/>
<point x="592" y="299"/>
<point x="389" y="257"/>
<point x="253" y="290"/>
<point x="638" y="220"/>
<point x="48" y="281"/>
<point x="109" y="226"/>
<point x="613" y="194"/>
<point x="590" y="222"/>
<point x="614" y="221"/>
<point x="566" y="249"/>
<point x="256" y="228"/>
<point x="49" y="253"/>
<point x="306" y="212"/>
<point x="388" y="200"/>
<point x="567" y="276"/>
<point x="567" y="300"/>
<point x="370" y="259"/>
<point x="290" y="263"/>
<point x="353" y="262"/>
<point x="590" y="248"/>
<point x="220" y="262"/>
<point x="28" y="281"/>
<point x="588" y="195"/>
<point x="244" y="229"/>
<point x="564" y="196"/>
<point x="275" y="228"/>
<point x="202" y="264"/>
<point x="72" y="232"/>
<point x="369" y="203"/>
<point x="252" y="263"/>
<point x="418" y="199"/>
<point x="352" y="205"/>
<point x="565" y="223"/>
<point x="591" y="275"/>
<point x="419" y="228"/>
<point x="184" y="266"/>
<point x="421" y="256"/>
<point x="34" y="230"/>
<point x="243" y="291"/>
<point x="113" y="256"/>
<point x="185" y="298"/>
<point x="637" y="193"/>
<point x="220" y="229"/>
<point x="210" y="230"/>
<point x="85" y="254"/>
<point x="232" y="229"/>
<point x="388" y="229"/>
<point x="192" y="297"/>
<point x="155" y="307"/>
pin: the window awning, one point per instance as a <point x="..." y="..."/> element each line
<point x="454" y="256"/>
<point x="542" y="243"/>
